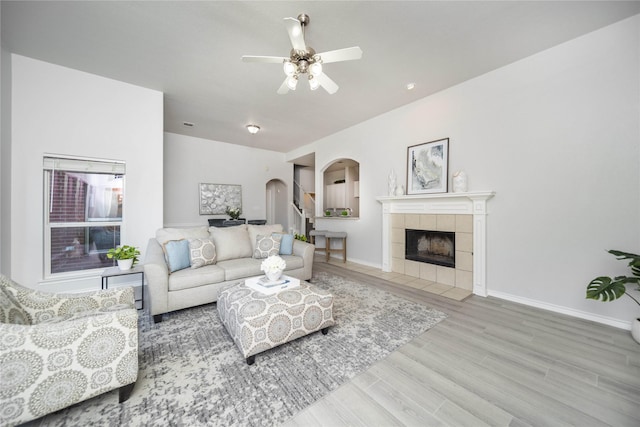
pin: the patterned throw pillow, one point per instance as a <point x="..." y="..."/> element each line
<point x="267" y="246"/>
<point x="202" y="252"/>
<point x="176" y="253"/>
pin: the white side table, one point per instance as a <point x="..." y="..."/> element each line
<point x="115" y="272"/>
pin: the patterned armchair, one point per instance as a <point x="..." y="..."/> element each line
<point x="60" y="349"/>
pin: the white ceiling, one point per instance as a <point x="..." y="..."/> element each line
<point x="191" y="51"/>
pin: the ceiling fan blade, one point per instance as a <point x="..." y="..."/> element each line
<point x="269" y="59"/>
<point x="327" y="84"/>
<point x="283" y="89"/>
<point x="294" y="28"/>
<point x="346" y="54"/>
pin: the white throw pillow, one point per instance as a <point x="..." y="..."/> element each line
<point x="267" y="246"/>
<point x="231" y="242"/>
<point x="202" y="252"/>
<point x="264" y="230"/>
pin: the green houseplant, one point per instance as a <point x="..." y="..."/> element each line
<point x="126" y="256"/>
<point x="604" y="288"/>
<point x="234" y="213"/>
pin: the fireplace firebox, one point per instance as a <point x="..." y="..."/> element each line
<point x="433" y="247"/>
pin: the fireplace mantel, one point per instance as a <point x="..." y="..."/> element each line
<point x="472" y="203"/>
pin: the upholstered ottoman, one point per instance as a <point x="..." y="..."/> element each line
<point x="258" y="322"/>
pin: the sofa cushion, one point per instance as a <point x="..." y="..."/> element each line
<point x="176" y="253"/>
<point x="202" y="252"/>
<point x="241" y="268"/>
<point x="264" y="230"/>
<point x="166" y="234"/>
<point x="267" y="246"/>
<point x="286" y="243"/>
<point x="231" y="242"/>
<point x="190" y="278"/>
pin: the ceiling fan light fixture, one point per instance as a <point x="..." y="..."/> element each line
<point x="316" y="68"/>
<point x="289" y="68"/>
<point x="292" y="82"/>
<point x="253" y="129"/>
<point x="313" y="83"/>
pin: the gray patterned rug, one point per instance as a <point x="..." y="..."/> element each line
<point x="191" y="372"/>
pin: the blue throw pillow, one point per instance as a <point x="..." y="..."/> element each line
<point x="176" y="252"/>
<point x="286" y="244"/>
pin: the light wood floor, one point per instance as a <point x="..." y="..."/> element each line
<point x="491" y="362"/>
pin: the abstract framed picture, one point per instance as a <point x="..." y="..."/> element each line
<point x="427" y="167"/>
<point x="216" y="198"/>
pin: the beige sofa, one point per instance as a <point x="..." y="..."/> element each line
<point x="234" y="248"/>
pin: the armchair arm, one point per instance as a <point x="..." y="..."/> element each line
<point x="44" y="305"/>
<point x="89" y="355"/>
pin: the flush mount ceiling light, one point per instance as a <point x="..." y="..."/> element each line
<point x="304" y="60"/>
<point x="253" y="129"/>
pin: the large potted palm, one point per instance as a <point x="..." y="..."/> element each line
<point x="605" y="288"/>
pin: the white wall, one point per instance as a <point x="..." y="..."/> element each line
<point x="190" y="161"/>
<point x="556" y="136"/>
<point x="63" y="111"/>
<point x="5" y="161"/>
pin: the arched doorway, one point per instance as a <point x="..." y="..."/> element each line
<point x="277" y="212"/>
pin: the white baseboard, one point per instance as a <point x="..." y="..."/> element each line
<point x="563" y="310"/>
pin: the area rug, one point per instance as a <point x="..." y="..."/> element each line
<point x="191" y="372"/>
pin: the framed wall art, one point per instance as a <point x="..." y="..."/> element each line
<point x="427" y="167"/>
<point x="216" y="198"/>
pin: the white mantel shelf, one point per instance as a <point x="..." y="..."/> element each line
<point x="472" y="203"/>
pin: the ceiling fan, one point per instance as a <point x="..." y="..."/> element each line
<point x="304" y="60"/>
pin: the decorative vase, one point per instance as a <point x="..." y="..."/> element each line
<point x="125" y="264"/>
<point x="273" y="275"/>
<point x="392" y="183"/>
<point x="635" y="330"/>
<point x="399" y="190"/>
<point x="460" y="182"/>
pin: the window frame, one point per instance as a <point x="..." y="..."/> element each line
<point x="51" y="163"/>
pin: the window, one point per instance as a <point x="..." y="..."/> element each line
<point x="83" y="213"/>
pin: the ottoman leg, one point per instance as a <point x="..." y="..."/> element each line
<point x="325" y="331"/>
<point x="251" y="360"/>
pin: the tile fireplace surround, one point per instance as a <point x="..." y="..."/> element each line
<point x="463" y="213"/>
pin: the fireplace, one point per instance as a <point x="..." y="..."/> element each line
<point x="433" y="247"/>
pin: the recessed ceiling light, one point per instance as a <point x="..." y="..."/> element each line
<point x="253" y="129"/>
<point x="188" y="124"/>
<point x="410" y="86"/>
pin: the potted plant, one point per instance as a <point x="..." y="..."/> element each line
<point x="327" y="212"/>
<point x="609" y="289"/>
<point x="126" y="256"/>
<point x="273" y="267"/>
<point x="234" y="213"/>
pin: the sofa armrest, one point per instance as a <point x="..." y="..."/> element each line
<point x="157" y="274"/>
<point x="306" y="251"/>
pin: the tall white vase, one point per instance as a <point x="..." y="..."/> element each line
<point x="460" y="182"/>
<point x="635" y="330"/>
<point x="392" y="183"/>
